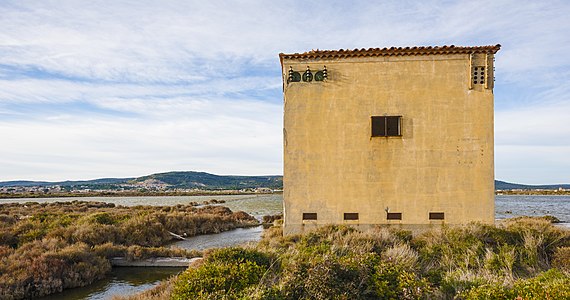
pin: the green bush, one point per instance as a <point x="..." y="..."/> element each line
<point x="102" y="218"/>
<point x="237" y="255"/>
<point x="392" y="281"/>
<point x="217" y="281"/>
<point x="551" y="284"/>
<point x="227" y="273"/>
<point x="328" y="277"/>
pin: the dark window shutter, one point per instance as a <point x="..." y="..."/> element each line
<point x="393" y="126"/>
<point x="378" y="126"/>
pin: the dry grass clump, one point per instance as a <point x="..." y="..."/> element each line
<point x="47" y="247"/>
<point x="475" y="261"/>
<point x="43" y="267"/>
<point x="270" y="219"/>
<point x="561" y="259"/>
<point x="135" y="252"/>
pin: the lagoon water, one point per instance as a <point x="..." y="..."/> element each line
<point x="259" y="205"/>
<point x="532" y="205"/>
<point x="126" y="281"/>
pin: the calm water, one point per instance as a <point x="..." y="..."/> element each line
<point x="259" y="205"/>
<point x="512" y="206"/>
<point x="126" y="281"/>
<point x="225" y="239"/>
<point x="121" y="281"/>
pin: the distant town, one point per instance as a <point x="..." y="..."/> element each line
<point x="190" y="183"/>
<point x="162" y="184"/>
<point x="559" y="191"/>
<point x="139" y="189"/>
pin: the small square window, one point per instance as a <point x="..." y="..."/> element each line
<point x="436" y="216"/>
<point x="351" y="216"/>
<point x="309" y="216"/>
<point x="394" y="216"/>
<point x="386" y="126"/>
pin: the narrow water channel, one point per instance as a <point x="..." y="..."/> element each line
<point x="230" y="238"/>
<point x="132" y="280"/>
<point x="121" y="281"/>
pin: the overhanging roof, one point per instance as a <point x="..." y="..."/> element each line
<point x="393" y="51"/>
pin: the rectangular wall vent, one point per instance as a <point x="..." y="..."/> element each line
<point x="436" y="216"/>
<point x="351" y="216"/>
<point x="309" y="216"/>
<point x="394" y="216"/>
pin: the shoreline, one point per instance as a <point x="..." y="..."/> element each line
<point x="174" y="262"/>
<point x="135" y="194"/>
<point x="532" y="193"/>
<point x="4" y="196"/>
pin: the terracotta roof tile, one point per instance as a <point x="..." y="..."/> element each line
<point x="392" y="51"/>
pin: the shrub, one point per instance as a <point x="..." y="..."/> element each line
<point x="501" y="261"/>
<point x="475" y="261"/>
<point x="102" y="218"/>
<point x="402" y="255"/>
<point x="217" y="281"/>
<point x="392" y="281"/>
<point x="551" y="284"/>
<point x="237" y="255"/>
<point x="561" y="259"/>
<point x="43" y="267"/>
<point x="329" y="277"/>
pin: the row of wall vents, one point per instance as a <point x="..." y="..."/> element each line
<point x="389" y="216"/>
<point x="307" y="76"/>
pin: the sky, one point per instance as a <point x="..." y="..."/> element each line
<point x="92" y="89"/>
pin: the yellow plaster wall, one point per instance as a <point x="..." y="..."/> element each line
<point x="443" y="162"/>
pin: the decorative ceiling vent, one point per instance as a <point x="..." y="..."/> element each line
<point x="482" y="67"/>
<point x="308" y="76"/>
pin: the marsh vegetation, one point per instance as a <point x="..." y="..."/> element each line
<point x="48" y="247"/>
<point x="521" y="257"/>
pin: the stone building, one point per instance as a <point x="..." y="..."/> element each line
<point x="388" y="136"/>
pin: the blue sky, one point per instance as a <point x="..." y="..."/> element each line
<point x="93" y="89"/>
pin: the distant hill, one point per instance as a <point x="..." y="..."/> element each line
<point x="101" y="181"/>
<point x="211" y="181"/>
<point x="203" y="180"/>
<point x="186" y="180"/>
<point x="502" y="185"/>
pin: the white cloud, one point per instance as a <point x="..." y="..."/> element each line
<point x="532" y="164"/>
<point x="532" y="145"/>
<point x="543" y="125"/>
<point x="214" y="136"/>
